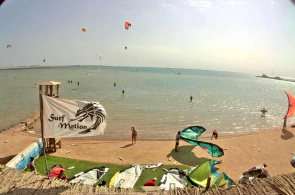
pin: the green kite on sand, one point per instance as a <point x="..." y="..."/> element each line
<point x="199" y="175"/>
<point x="191" y="135"/>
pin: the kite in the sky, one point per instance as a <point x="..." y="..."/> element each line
<point x="8" y="46"/>
<point x="43" y="60"/>
<point x="127" y="24"/>
<point x="125" y="47"/>
<point x="83" y="29"/>
<point x="191" y="135"/>
<point x="99" y="56"/>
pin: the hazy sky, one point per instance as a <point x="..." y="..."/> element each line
<point x="251" y="36"/>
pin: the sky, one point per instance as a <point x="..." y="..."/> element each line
<point x="248" y="36"/>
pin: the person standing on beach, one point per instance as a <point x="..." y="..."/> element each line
<point x="114" y="84"/>
<point x="191" y="97"/>
<point x="32" y="165"/>
<point x="214" y="134"/>
<point x="134" y="135"/>
<point x="178" y="136"/>
<point x="123" y="92"/>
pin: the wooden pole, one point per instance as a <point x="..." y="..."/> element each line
<point x="46" y="90"/>
<point x="57" y="90"/>
<point x="285" y="123"/>
<point x="51" y="91"/>
<point x="42" y="130"/>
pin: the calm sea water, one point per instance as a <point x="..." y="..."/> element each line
<point x="156" y="100"/>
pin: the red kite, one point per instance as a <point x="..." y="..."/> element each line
<point x="127" y="24"/>
<point x="291" y="107"/>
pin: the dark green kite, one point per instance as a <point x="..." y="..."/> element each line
<point x="191" y="135"/>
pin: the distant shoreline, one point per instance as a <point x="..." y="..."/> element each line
<point x="42" y="66"/>
<point x="276" y="78"/>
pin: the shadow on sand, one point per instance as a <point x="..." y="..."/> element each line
<point x="186" y="156"/>
<point x="126" y="146"/>
<point x="286" y="134"/>
<point x="6" y="159"/>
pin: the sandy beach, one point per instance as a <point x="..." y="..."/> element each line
<point x="274" y="147"/>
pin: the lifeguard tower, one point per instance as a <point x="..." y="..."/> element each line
<point x="49" y="86"/>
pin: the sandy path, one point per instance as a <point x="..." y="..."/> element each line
<point x="13" y="142"/>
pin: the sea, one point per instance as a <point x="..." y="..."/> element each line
<point x="156" y="100"/>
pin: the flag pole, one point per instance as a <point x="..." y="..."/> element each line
<point x="42" y="130"/>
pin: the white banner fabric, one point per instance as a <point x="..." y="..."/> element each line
<point x="72" y="118"/>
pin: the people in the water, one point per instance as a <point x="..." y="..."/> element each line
<point x="191" y="98"/>
<point x="115" y="84"/>
<point x="263" y="111"/>
<point x="123" y="92"/>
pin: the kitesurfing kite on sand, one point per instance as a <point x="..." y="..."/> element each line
<point x="191" y="135"/>
<point x="291" y="108"/>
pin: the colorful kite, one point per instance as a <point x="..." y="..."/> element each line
<point x="199" y="175"/>
<point x="8" y="46"/>
<point x="191" y="135"/>
<point x="127" y="24"/>
<point x="83" y="29"/>
<point x="291" y="107"/>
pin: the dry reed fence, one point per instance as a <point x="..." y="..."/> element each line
<point x="20" y="182"/>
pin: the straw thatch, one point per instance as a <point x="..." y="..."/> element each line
<point x="13" y="181"/>
<point x="282" y="184"/>
<point x="20" y="182"/>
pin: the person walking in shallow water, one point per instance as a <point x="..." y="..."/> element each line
<point x="123" y="92"/>
<point x="134" y="135"/>
<point x="263" y="111"/>
<point x="191" y="98"/>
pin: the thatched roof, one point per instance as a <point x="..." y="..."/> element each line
<point x="13" y="181"/>
<point x="278" y="185"/>
<point x="20" y="182"/>
<point x="49" y="83"/>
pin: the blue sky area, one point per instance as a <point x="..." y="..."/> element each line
<point x="250" y="36"/>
